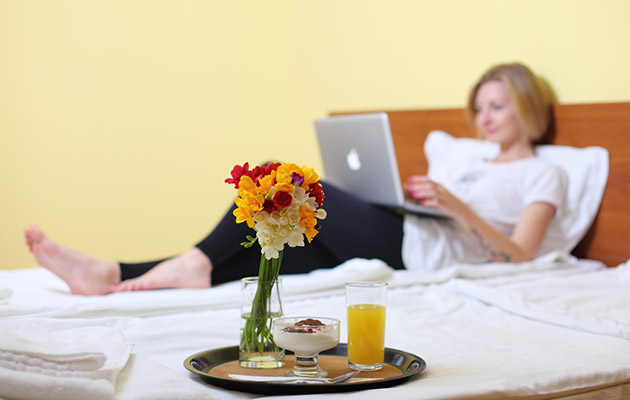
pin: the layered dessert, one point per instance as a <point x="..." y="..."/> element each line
<point x="306" y="336"/>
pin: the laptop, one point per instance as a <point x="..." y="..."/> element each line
<point x="358" y="156"/>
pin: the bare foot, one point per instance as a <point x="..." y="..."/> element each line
<point x="190" y="270"/>
<point x="84" y="274"/>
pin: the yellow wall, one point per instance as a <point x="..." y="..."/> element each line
<point x="119" y="120"/>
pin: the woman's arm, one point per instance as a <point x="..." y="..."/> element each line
<point x="525" y="240"/>
<point x="521" y="246"/>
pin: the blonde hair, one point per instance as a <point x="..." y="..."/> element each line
<point x="533" y="108"/>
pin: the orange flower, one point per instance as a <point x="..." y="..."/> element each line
<point x="308" y="221"/>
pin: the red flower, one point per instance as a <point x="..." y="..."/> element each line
<point x="265" y="169"/>
<point x="316" y="191"/>
<point x="272" y="166"/>
<point x="269" y="206"/>
<point x="237" y="172"/>
<point x="282" y="200"/>
<point x="258" y="172"/>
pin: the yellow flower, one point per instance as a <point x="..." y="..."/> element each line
<point x="247" y="185"/>
<point x="284" y="187"/>
<point x="310" y="177"/>
<point x="247" y="207"/>
<point x="249" y="202"/>
<point x="265" y="183"/>
<point x="284" y="172"/>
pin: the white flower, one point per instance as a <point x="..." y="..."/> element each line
<point x="296" y="237"/>
<point x="280" y="227"/>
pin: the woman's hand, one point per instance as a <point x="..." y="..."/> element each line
<point x="429" y="193"/>
<point x="521" y="246"/>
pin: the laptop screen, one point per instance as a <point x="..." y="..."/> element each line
<point x="358" y="156"/>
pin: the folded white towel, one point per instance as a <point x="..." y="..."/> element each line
<point x="38" y="362"/>
<point x="23" y="353"/>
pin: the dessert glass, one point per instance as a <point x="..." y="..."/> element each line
<point x="306" y="337"/>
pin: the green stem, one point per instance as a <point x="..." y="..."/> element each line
<point x="257" y="332"/>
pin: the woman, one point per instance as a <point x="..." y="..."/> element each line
<point x="504" y="205"/>
<point x="501" y="210"/>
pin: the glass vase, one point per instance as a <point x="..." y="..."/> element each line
<point x="261" y="303"/>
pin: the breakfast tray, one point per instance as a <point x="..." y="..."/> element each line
<point x="215" y="366"/>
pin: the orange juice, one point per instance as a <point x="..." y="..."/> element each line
<point x="366" y="334"/>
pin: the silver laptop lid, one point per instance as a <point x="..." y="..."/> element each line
<point x="358" y="156"/>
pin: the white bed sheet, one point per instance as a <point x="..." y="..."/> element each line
<point x="476" y="345"/>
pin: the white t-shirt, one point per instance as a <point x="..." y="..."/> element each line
<point x="498" y="193"/>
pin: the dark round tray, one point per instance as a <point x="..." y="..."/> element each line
<point x="202" y="364"/>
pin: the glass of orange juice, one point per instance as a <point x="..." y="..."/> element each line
<point x="366" y="303"/>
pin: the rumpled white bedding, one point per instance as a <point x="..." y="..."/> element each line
<point x="596" y="300"/>
<point x="551" y="328"/>
<point x="53" y="300"/>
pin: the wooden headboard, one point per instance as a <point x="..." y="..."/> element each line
<point x="581" y="125"/>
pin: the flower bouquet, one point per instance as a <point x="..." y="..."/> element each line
<point x="282" y="203"/>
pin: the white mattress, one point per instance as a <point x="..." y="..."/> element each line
<point x="552" y="328"/>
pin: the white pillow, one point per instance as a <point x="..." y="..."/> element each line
<point x="586" y="169"/>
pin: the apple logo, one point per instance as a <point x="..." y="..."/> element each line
<point x="353" y="160"/>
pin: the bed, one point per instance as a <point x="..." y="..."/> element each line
<point x="555" y="327"/>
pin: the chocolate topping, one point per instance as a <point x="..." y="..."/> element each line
<point x="308" y="325"/>
<point x="310" y="322"/>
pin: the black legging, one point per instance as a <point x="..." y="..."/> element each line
<point x="353" y="228"/>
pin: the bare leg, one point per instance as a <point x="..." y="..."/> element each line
<point x="84" y="274"/>
<point x="189" y="270"/>
<point x="91" y="276"/>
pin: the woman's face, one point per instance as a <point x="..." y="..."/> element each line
<point x="495" y="114"/>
